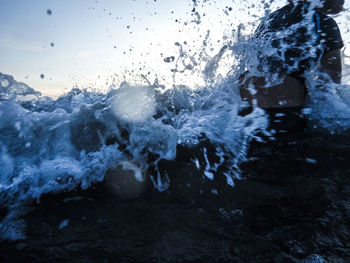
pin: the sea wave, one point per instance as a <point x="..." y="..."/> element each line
<point x="50" y="146"/>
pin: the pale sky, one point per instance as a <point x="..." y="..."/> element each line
<point x="100" y="42"/>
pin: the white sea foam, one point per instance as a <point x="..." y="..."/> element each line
<point x="133" y="104"/>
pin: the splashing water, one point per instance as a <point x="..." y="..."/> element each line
<point x="50" y="146"/>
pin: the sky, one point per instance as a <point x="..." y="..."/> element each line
<point x="96" y="43"/>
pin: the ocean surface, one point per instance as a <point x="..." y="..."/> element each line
<point x="219" y="186"/>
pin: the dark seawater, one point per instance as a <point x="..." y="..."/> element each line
<point x="293" y="206"/>
<point x="287" y="202"/>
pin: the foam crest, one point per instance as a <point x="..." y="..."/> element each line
<point x="133" y="104"/>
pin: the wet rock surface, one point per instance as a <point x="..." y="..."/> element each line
<point x="292" y="206"/>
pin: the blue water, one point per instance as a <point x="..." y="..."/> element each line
<point x="50" y="146"/>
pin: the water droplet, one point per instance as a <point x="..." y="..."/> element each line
<point x="169" y="59"/>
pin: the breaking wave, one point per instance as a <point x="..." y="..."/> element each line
<point x="50" y="146"/>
